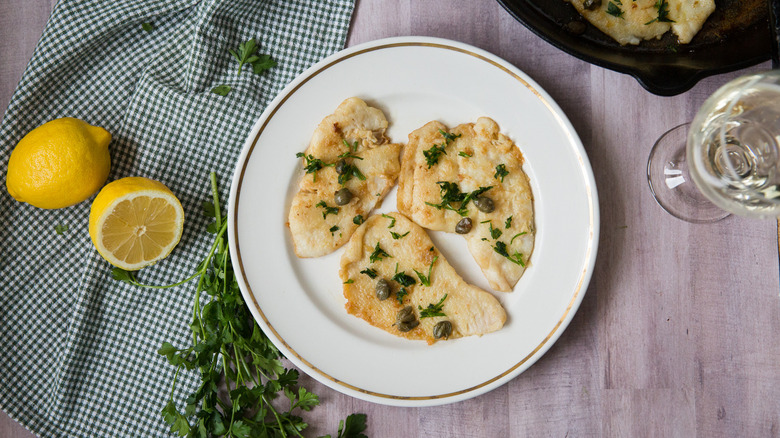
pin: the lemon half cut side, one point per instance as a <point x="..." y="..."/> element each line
<point x="135" y="222"/>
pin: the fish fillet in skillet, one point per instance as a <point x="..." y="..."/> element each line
<point x="394" y="249"/>
<point x="348" y="150"/>
<point x="444" y="172"/>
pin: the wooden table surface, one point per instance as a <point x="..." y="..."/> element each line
<point x="679" y="332"/>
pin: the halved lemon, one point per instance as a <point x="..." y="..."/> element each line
<point x="135" y="222"/>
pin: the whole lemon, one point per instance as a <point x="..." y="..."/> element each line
<point x="59" y="163"/>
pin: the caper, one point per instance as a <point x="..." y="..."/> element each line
<point x="443" y="329"/>
<point x="464" y="226"/>
<point x="591" y="4"/>
<point x="484" y="204"/>
<point x="406" y="315"/>
<point x="407" y="326"/>
<point x="576" y="27"/>
<point x="382" y="289"/>
<point x="342" y="196"/>
<point x="341" y="167"/>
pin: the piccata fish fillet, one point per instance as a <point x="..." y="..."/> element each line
<point x="469" y="309"/>
<point x="631" y="21"/>
<point x="354" y="133"/>
<point x="476" y="157"/>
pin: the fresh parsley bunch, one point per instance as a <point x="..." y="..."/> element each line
<point x="232" y="353"/>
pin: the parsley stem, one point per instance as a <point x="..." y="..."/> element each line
<point x="217" y="210"/>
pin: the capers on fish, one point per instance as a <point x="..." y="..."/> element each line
<point x="591" y="4"/>
<point x="382" y="289"/>
<point x="342" y="196"/>
<point x="484" y="204"/>
<point x="341" y="167"/>
<point x="443" y="329"/>
<point x="406" y="315"/>
<point x="408" y="326"/>
<point x="463" y="226"/>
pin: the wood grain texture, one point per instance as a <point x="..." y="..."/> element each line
<point x="677" y="335"/>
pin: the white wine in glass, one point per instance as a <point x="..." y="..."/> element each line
<point x="733" y="146"/>
<point x="727" y="160"/>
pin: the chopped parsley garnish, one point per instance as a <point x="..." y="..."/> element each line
<point x="433" y="154"/>
<point x="327" y="210"/>
<point x="516" y="235"/>
<point x="357" y="220"/>
<point x="501" y="172"/>
<point x="392" y="220"/>
<point x="147" y="27"/>
<point x="495" y="233"/>
<point x="378" y="254"/>
<point x="663" y="13"/>
<point x="425" y="280"/>
<point x="464" y="155"/>
<point x="403" y="279"/>
<point x="614" y="10"/>
<point x="433" y="309"/>
<point x="515" y="258"/>
<point x="397" y="236"/>
<point x="370" y="272"/>
<point x="351" y="170"/>
<point x="333" y="229"/>
<point x="61" y="228"/>
<point x="350" y="281"/>
<point x="313" y="164"/>
<point x="508" y="222"/>
<point x="450" y="193"/>
<point x="401" y="294"/>
<point x="352" y="146"/>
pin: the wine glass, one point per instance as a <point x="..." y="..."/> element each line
<point x="727" y="160"/>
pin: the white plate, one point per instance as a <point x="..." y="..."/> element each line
<point x="299" y="303"/>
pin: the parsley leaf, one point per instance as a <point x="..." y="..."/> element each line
<point x="378" y="254"/>
<point x="392" y="220"/>
<point x="495" y="233"/>
<point x="397" y="236"/>
<point x="327" y="210"/>
<point x="353" y="427"/>
<point x="357" y="220"/>
<point x="147" y="27"/>
<point x="370" y="272"/>
<point x="663" y="13"/>
<point x="464" y="155"/>
<point x="614" y="10"/>
<point x="450" y="193"/>
<point x="515" y="258"/>
<point x="501" y="172"/>
<point x="403" y="279"/>
<point x="221" y="90"/>
<point x="247" y="54"/>
<point x="433" y="309"/>
<point x="61" y="228"/>
<point x="425" y="280"/>
<point x="433" y="154"/>
<point x="401" y="294"/>
<point x="508" y="222"/>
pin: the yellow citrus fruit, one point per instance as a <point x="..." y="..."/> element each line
<point x="134" y="222"/>
<point x="59" y="163"/>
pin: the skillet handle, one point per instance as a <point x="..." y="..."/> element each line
<point x="667" y="80"/>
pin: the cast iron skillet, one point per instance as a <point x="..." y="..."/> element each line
<point x="735" y="36"/>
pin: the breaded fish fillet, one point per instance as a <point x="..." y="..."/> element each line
<point x="348" y="151"/>
<point x="394" y="249"/>
<point x="442" y="175"/>
<point x="633" y="21"/>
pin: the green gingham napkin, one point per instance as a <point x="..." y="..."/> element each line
<point x="78" y="349"/>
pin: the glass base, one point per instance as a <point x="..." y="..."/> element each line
<point x="672" y="186"/>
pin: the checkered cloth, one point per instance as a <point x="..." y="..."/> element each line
<point x="78" y="349"/>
